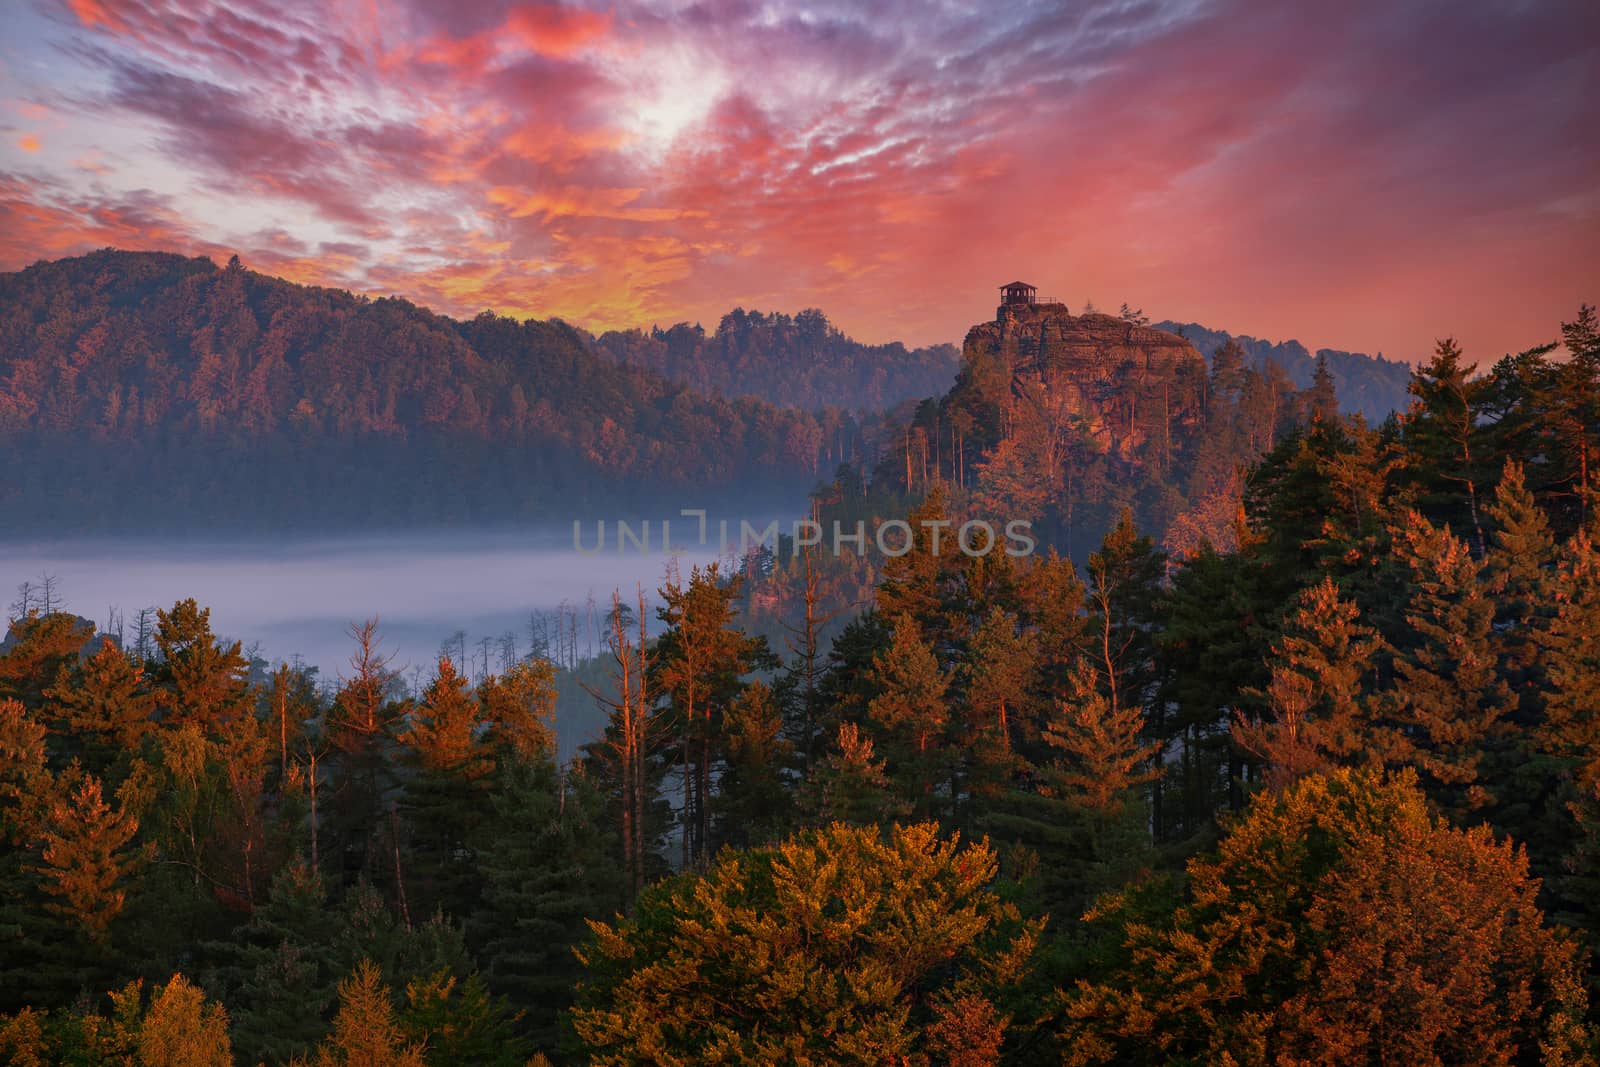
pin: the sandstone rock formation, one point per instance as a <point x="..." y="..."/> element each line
<point x="1096" y="368"/>
<point x="1045" y="339"/>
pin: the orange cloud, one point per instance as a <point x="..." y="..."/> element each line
<point x="574" y="201"/>
<point x="28" y="143"/>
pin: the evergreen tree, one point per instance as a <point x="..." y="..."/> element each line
<point x="756" y="962"/>
<point x="1316" y="700"/>
<point x="548" y="864"/>
<point x="699" y="664"/>
<point x="520" y="708"/>
<point x="1444" y="437"/>
<point x="1450" y="702"/>
<point x="366" y="1032"/>
<point x="103" y="705"/>
<point x="1338" y="922"/>
<point x="279" y="969"/>
<point x="753" y="801"/>
<point x="198" y="678"/>
<point x="1101" y="758"/>
<point x="454" y="1022"/>
<point x="910" y="711"/>
<point x="848" y="785"/>
<point x="36" y="649"/>
<point x="85" y="860"/>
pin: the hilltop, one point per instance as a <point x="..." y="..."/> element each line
<point x="142" y="389"/>
<point x="801" y="361"/>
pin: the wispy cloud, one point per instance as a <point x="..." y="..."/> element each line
<point x="1367" y="175"/>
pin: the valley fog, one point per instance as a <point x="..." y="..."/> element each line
<point x="297" y="597"/>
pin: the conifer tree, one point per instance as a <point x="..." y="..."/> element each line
<point x="1000" y="680"/>
<point x="698" y="665"/>
<point x="279" y="968"/>
<point x="454" y="1021"/>
<point x="39" y="647"/>
<point x="548" y="863"/>
<point x="1101" y="758"/>
<point x="104" y="704"/>
<point x="1450" y="703"/>
<point x="911" y="712"/>
<point x="1124" y="605"/>
<point x="520" y="707"/>
<point x="625" y="760"/>
<point x="1317" y="714"/>
<point x="443" y="800"/>
<point x="1322" y="399"/>
<point x="442" y="731"/>
<point x="1338" y="922"/>
<point x="925" y="582"/>
<point x="31" y="944"/>
<point x="360" y="727"/>
<point x="1572" y="410"/>
<point x="756" y="963"/>
<point x="197" y="677"/>
<point x="753" y="802"/>
<point x="366" y="1032"/>
<point x="1520" y="563"/>
<point x="1445" y="438"/>
<point x="849" y="785"/>
<point x="85" y="858"/>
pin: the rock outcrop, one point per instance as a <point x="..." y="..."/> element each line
<point x="1115" y="380"/>
<point x="1046" y="340"/>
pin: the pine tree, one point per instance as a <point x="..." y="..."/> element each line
<point x="1124" y="604"/>
<point x="38" y="647"/>
<point x="625" y="759"/>
<point x="103" y="705"/>
<point x="366" y="1032"/>
<point x="1102" y="758"/>
<point x="1318" y="717"/>
<point x="910" y="709"/>
<point x="31" y="949"/>
<point x="1450" y="703"/>
<point x="280" y="970"/>
<point x="756" y="963"/>
<point x="1322" y="399"/>
<point x="1518" y="568"/>
<point x="198" y="678"/>
<point x="848" y="785"/>
<point x="698" y="665"/>
<point x="444" y="798"/>
<point x="1444" y="436"/>
<point x="442" y="732"/>
<point x="1338" y="922"/>
<point x="455" y="1022"/>
<point x="360" y="726"/>
<point x="1571" y="409"/>
<point x="520" y="708"/>
<point x="753" y="801"/>
<point x="85" y="859"/>
<point x="548" y="863"/>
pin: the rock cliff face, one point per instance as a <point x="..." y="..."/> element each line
<point x="1114" y="379"/>
<point x="1046" y="340"/>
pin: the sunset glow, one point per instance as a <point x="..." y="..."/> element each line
<point x="1365" y="176"/>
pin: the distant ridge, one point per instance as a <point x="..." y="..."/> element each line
<point x="800" y="361"/>
<point x="1370" y="385"/>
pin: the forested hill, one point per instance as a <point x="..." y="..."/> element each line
<point x="140" y="388"/>
<point x="801" y="361"/>
<point x="1369" y="385"/>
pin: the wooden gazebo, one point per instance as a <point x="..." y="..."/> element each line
<point x="1018" y="293"/>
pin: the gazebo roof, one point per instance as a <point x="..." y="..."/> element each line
<point x="1018" y="285"/>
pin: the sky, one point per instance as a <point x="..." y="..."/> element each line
<point x="1369" y="175"/>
